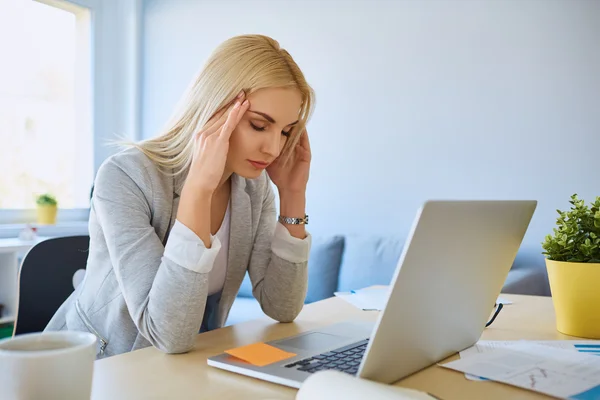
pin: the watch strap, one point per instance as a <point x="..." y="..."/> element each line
<point x="293" y="220"/>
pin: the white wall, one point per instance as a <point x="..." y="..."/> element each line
<point x="415" y="99"/>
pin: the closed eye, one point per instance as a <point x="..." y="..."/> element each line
<point x="262" y="128"/>
<point x="257" y="128"/>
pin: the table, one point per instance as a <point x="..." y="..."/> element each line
<point x="150" y="374"/>
<point x="11" y="250"/>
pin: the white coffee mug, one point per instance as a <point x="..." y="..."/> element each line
<point x="47" y="365"/>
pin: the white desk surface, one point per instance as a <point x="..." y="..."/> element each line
<point x="150" y="374"/>
<point x="12" y="245"/>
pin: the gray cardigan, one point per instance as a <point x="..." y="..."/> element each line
<point x="134" y="295"/>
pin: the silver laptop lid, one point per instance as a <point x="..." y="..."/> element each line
<point x="455" y="261"/>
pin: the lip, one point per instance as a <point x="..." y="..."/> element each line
<point x="258" y="164"/>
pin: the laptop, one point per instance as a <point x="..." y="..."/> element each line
<point x="452" y="268"/>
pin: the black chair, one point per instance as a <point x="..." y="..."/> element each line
<point x="46" y="280"/>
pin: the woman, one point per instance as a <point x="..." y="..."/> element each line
<point x="176" y="221"/>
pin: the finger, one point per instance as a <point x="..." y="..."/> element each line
<point x="219" y="118"/>
<point x="231" y="103"/>
<point x="214" y="126"/>
<point x="302" y="153"/>
<point x="304" y="142"/>
<point x="243" y="108"/>
<point x="230" y="123"/>
<point x="216" y="117"/>
<point x="234" y="119"/>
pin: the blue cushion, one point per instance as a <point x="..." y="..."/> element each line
<point x="369" y="260"/>
<point x="372" y="261"/>
<point x="323" y="269"/>
<point x="531" y="280"/>
<point x="529" y="256"/>
<point x="528" y="274"/>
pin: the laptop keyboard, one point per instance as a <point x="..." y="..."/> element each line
<point x="346" y="359"/>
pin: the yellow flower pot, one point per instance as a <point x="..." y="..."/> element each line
<point x="576" y="296"/>
<point x="46" y="214"/>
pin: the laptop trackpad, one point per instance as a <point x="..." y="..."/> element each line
<point x="315" y="340"/>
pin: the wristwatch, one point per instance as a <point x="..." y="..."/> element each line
<point x="294" y="221"/>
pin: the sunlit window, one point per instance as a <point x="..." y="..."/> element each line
<point x="46" y="138"/>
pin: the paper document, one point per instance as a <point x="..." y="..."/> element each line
<point x="484" y="346"/>
<point x="366" y="299"/>
<point x="369" y="299"/>
<point x="550" y="370"/>
<point x="503" y="301"/>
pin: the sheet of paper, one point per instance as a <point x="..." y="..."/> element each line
<point x="260" y="354"/>
<point x="503" y="301"/>
<point x="584" y="346"/>
<point x="550" y="370"/>
<point x="483" y="346"/>
<point x="366" y="299"/>
<point x="375" y="298"/>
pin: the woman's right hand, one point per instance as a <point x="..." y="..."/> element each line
<point x="207" y="167"/>
<point x="212" y="146"/>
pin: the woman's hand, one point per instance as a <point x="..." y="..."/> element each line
<point x="207" y="168"/>
<point x="212" y="146"/>
<point x="293" y="177"/>
<point x="291" y="181"/>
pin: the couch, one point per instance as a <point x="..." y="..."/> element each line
<point x="342" y="263"/>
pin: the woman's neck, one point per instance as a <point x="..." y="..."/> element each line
<point x="224" y="184"/>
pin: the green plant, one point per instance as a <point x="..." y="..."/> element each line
<point x="46" y="200"/>
<point x="577" y="238"/>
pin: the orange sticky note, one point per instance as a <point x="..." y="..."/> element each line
<point x="260" y="354"/>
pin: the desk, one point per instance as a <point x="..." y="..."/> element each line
<point x="11" y="250"/>
<point x="150" y="374"/>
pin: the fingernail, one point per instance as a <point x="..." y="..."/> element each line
<point x="245" y="102"/>
<point x="237" y="104"/>
<point x="239" y="96"/>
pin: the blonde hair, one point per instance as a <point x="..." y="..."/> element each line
<point x="246" y="62"/>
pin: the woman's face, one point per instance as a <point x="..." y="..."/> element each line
<point x="263" y="130"/>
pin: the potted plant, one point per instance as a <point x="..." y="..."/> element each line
<point x="573" y="264"/>
<point x="47" y="208"/>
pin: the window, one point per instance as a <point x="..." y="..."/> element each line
<point x="46" y="138"/>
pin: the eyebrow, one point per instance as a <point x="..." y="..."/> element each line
<point x="269" y="118"/>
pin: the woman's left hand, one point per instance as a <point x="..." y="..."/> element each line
<point x="293" y="177"/>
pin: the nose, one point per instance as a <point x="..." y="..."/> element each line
<point x="271" y="144"/>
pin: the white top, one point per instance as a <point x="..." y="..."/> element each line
<point x="216" y="276"/>
<point x="185" y="248"/>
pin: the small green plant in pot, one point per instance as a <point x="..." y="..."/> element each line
<point x="47" y="208"/>
<point x="573" y="263"/>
